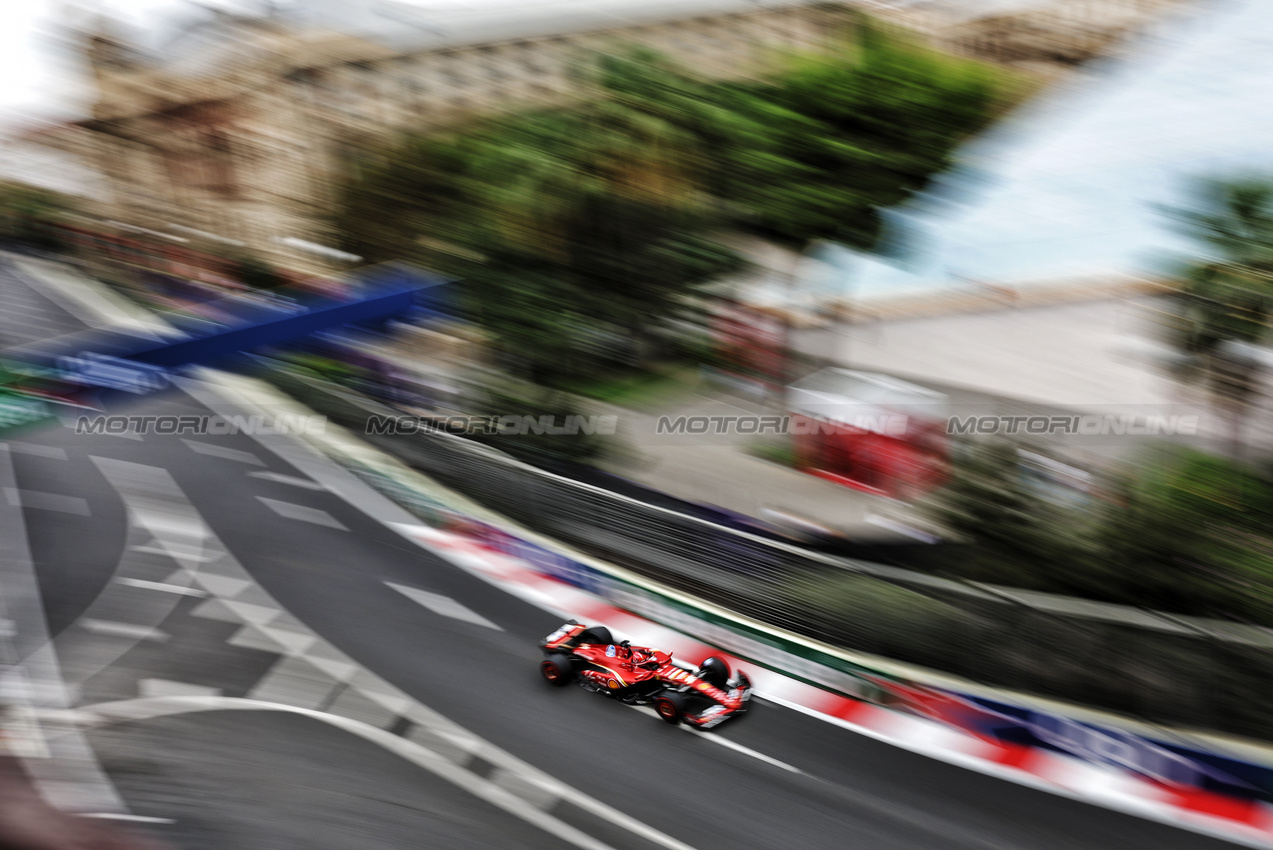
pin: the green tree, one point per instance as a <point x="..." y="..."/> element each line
<point x="562" y="223"/>
<point x="256" y="273"/>
<point x="1227" y="296"/>
<point x="572" y="224"/>
<point x="1016" y="537"/>
<point x="29" y="214"/>
<point x="1191" y="534"/>
<point x="818" y="150"/>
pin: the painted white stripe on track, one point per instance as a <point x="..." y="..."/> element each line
<point x="147" y="708"/>
<point x="217" y="394"/>
<point x="125" y="630"/>
<point x="37" y="450"/>
<point x="724" y="742"/>
<point x="443" y="606"/>
<point x="302" y="513"/>
<point x="739" y="748"/>
<point x="279" y="478"/>
<point x="160" y="586"/>
<point x="129" y="818"/>
<point x="224" y="452"/>
<point x="36" y="500"/>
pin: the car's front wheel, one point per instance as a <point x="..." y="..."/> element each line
<point x="670" y="707"/>
<point x="557" y="670"/>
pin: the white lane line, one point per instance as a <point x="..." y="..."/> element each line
<point x="724" y="742"/>
<point x="46" y="501"/>
<point x="129" y="818"/>
<point x="424" y="757"/>
<point x="224" y="452"/>
<point x="226" y="587"/>
<point x="128" y="630"/>
<point x="174" y="551"/>
<point x="160" y="586"/>
<point x="381" y="508"/>
<point x="37" y="450"/>
<point x="302" y="513"/>
<point x="287" y="479"/>
<point x="443" y="605"/>
<point x="739" y="748"/>
<point x="169" y="688"/>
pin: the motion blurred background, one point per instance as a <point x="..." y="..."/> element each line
<point x="974" y="292"/>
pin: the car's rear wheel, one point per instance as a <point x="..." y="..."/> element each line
<point x="557" y="670"/>
<point x="671" y="707"/>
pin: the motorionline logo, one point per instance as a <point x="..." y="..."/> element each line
<point x="256" y="424"/>
<point x="519" y="425"/>
<point x="1087" y="425"/>
<point x="891" y="424"/>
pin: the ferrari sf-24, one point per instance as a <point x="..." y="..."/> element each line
<point x="639" y="675"/>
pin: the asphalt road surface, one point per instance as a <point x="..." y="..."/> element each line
<point x="26" y="314"/>
<point x="105" y="517"/>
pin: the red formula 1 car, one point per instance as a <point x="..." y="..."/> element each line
<point x="641" y="675"/>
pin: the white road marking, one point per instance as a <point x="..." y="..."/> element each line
<point x="287" y="479"/>
<point x="224" y="452"/>
<point x="248" y="612"/>
<point x="38" y="450"/>
<point x="46" y="501"/>
<point x="302" y="513"/>
<point x="129" y="818"/>
<point x="380" y="507"/>
<point x="739" y="748"/>
<point x="168" y="688"/>
<point x="128" y="630"/>
<point x="224" y="586"/>
<point x="724" y="742"/>
<point x="496" y="793"/>
<point x="160" y="586"/>
<point x="174" y="551"/>
<point x="296" y="642"/>
<point x="443" y="605"/>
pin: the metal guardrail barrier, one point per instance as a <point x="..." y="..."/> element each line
<point x="1159" y="668"/>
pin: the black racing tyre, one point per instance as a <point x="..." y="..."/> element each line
<point x="557" y="669"/>
<point x="595" y="634"/>
<point x="671" y="707"/>
<point x="715" y="671"/>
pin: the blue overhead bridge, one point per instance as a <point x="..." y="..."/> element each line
<point x="384" y="294"/>
<point x="97" y="367"/>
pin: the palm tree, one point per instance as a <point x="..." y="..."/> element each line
<point x="1227" y="295"/>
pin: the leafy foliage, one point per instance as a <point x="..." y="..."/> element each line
<point x="817" y="152"/>
<point x="1228" y="294"/>
<point x="28" y="213"/>
<point x="1226" y="297"/>
<point x="582" y="224"/>
<point x="1193" y="534"/>
<point x="566" y="227"/>
<point x="256" y="273"/>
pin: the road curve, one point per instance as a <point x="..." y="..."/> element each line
<point x="788" y="780"/>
